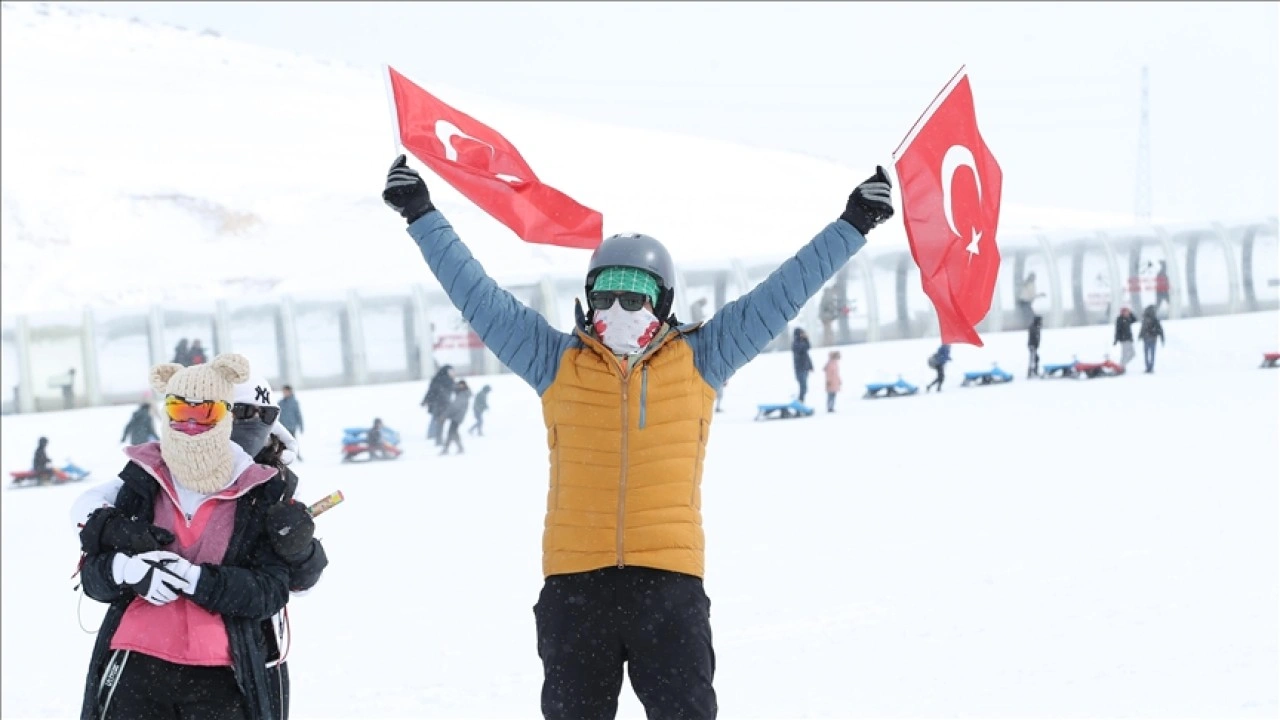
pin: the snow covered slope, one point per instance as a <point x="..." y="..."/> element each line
<point x="147" y="163"/>
<point x="1091" y="548"/>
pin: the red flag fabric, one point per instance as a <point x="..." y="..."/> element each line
<point x="479" y="163"/>
<point x="951" y="185"/>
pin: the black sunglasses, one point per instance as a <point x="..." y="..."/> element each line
<point x="631" y="301"/>
<point x="245" y="411"/>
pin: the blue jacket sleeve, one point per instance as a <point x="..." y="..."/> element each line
<point x="521" y="338"/>
<point x="744" y="327"/>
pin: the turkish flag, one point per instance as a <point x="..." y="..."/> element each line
<point x="951" y="206"/>
<point x="480" y="163"/>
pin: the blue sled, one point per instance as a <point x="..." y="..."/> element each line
<point x="1061" y="370"/>
<point x="901" y="387"/>
<point x="351" y="436"/>
<point x="792" y="409"/>
<point x="355" y="445"/>
<point x="993" y="376"/>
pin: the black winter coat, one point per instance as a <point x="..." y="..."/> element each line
<point x="1033" y="337"/>
<point x="247" y="589"/>
<point x="439" y="392"/>
<point x="1124" y="329"/>
<point x="1151" y="329"/>
<point x="800" y="355"/>
<point x="40" y="461"/>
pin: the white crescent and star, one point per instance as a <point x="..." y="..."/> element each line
<point x="956" y="157"/>
<point x="446" y="131"/>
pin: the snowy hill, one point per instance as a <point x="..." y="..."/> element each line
<point x="144" y="163"/>
<point x="1059" y="548"/>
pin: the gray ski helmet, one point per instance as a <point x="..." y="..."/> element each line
<point x="633" y="250"/>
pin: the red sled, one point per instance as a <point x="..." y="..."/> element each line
<point x="352" y="452"/>
<point x="1271" y="359"/>
<point x="1109" y="368"/>
<point x="68" y="473"/>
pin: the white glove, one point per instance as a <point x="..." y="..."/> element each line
<point x="157" y="576"/>
<point x="290" y="452"/>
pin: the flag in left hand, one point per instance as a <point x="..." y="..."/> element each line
<point x="951" y="206"/>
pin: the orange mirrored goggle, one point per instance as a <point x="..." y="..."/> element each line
<point x="208" y="412"/>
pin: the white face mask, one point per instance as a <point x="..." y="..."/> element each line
<point x="624" y="331"/>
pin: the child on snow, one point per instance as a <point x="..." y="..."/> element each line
<point x="832" y="369"/>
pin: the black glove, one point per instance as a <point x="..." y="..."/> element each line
<point x="406" y="193"/>
<point x="870" y="203"/>
<point x="108" y="529"/>
<point x="290" y="528"/>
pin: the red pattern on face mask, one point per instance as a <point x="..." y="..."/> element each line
<point x="649" y="333"/>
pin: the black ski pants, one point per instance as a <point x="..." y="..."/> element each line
<point x="140" y="687"/>
<point x="657" y="623"/>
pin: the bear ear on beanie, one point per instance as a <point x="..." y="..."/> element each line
<point x="160" y="375"/>
<point x="232" y="366"/>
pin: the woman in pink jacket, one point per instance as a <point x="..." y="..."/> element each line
<point x="832" y="369"/>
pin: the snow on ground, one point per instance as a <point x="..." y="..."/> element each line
<point x="1065" y="548"/>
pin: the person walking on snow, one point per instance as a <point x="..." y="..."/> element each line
<point x="801" y="360"/>
<point x="479" y="406"/>
<point x="436" y="401"/>
<point x="627" y="402"/>
<point x="1150" y="330"/>
<point x="456" y="414"/>
<point x="938" y="361"/>
<point x="1033" y="347"/>
<point x="1124" y="335"/>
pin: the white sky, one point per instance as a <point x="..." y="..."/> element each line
<point x="1056" y="84"/>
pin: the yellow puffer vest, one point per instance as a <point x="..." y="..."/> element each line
<point x="626" y="460"/>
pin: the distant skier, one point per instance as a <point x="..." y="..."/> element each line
<point x="1033" y="347"/>
<point x="1150" y="330"/>
<point x="938" y="361"/>
<point x="139" y="429"/>
<point x="1124" y="335"/>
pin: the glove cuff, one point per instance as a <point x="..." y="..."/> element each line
<point x="117" y="567"/>
<point x="858" y="218"/>
<point x="412" y="216"/>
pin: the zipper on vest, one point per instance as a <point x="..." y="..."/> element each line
<point x="644" y="391"/>
<point x="622" y="478"/>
